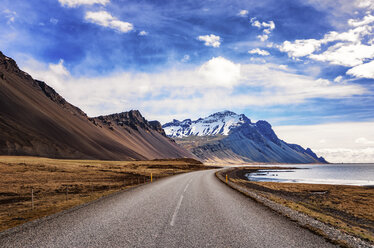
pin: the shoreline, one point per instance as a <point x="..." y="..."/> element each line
<point x="341" y="214"/>
<point x="326" y="181"/>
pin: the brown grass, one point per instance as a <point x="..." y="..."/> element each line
<point x="348" y="208"/>
<point x="61" y="184"/>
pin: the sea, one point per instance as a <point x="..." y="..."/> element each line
<point x="337" y="174"/>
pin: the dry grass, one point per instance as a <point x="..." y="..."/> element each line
<point x="349" y="208"/>
<point x="61" y="184"/>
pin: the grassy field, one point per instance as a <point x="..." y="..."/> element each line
<point x="56" y="185"/>
<point x="348" y="208"/>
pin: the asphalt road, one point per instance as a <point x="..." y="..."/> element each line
<point x="188" y="210"/>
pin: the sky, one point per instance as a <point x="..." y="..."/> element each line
<point x="305" y="66"/>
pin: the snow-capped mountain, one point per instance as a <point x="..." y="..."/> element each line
<point x="218" y="123"/>
<point x="227" y="137"/>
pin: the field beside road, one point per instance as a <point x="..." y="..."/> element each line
<point x="348" y="208"/>
<point x="32" y="187"/>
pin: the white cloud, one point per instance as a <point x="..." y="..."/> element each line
<point x="346" y="55"/>
<point x="243" y="12"/>
<point x="270" y="25"/>
<point x="76" y="3"/>
<point x="220" y="72"/>
<point x="342" y="8"/>
<point x="365" y="4"/>
<point x="283" y="67"/>
<point x="367" y="20"/>
<point x="300" y="48"/>
<point x="263" y="37"/>
<point x="259" y="52"/>
<point x="10" y="15"/>
<point x="364" y="141"/>
<point x="363" y="71"/>
<point x="266" y="27"/>
<point x="340" y="48"/>
<point x="342" y="142"/>
<point x="105" y="19"/>
<point x="209" y="87"/>
<point x="186" y="58"/>
<point x="210" y="40"/>
<point x="346" y="155"/>
<point x="143" y="33"/>
<point x="338" y="79"/>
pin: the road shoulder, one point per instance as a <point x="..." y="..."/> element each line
<point x="330" y="233"/>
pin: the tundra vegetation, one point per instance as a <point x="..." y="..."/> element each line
<point x="57" y="185"/>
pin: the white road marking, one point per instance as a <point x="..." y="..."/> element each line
<point x="179" y="205"/>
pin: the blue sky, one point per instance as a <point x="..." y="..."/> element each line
<point x="293" y="63"/>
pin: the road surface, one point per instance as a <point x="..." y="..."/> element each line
<point x="187" y="210"/>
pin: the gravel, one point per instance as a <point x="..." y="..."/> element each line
<point x="330" y="233"/>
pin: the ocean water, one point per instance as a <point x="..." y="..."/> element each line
<point x="339" y="174"/>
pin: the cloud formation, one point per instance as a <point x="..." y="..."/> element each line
<point x="266" y="27"/>
<point x="143" y="33"/>
<point x="10" y="15"/>
<point x="333" y="141"/>
<point x="212" y="86"/>
<point x="352" y="48"/>
<point x="243" y="13"/>
<point x="76" y="3"/>
<point x="210" y="40"/>
<point x="105" y="19"/>
<point x="259" y="52"/>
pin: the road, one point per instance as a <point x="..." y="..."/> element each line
<point x="187" y="210"/>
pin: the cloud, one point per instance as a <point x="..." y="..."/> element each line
<point x="363" y="71"/>
<point x="105" y="19"/>
<point x="76" y="3"/>
<point x="210" y="40"/>
<point x="186" y="58"/>
<point x="300" y="48"/>
<point x="220" y="72"/>
<point x="214" y="85"/>
<point x="263" y="37"/>
<point x="259" y="52"/>
<point x="266" y="27"/>
<point x="365" y="4"/>
<point x="243" y="12"/>
<point x="345" y="155"/>
<point x="283" y="67"/>
<point x="367" y="20"/>
<point x="143" y="33"/>
<point x="339" y="144"/>
<point x="53" y="21"/>
<point x="364" y="141"/>
<point x="345" y="55"/>
<point x="262" y="25"/>
<point x="345" y="48"/>
<point x="338" y="79"/>
<point x="10" y="15"/>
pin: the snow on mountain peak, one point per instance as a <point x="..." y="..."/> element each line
<point x="217" y="123"/>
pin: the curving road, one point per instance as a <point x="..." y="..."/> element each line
<point x="188" y="210"/>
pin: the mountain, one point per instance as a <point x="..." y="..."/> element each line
<point x="218" y="123"/>
<point x="231" y="138"/>
<point x="35" y="120"/>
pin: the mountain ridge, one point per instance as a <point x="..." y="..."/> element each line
<point x="36" y="121"/>
<point x="238" y="139"/>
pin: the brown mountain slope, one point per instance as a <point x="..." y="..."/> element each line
<point x="36" y="121"/>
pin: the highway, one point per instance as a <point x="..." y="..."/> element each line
<point x="188" y="210"/>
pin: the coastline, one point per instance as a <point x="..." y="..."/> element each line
<point x="342" y="214"/>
